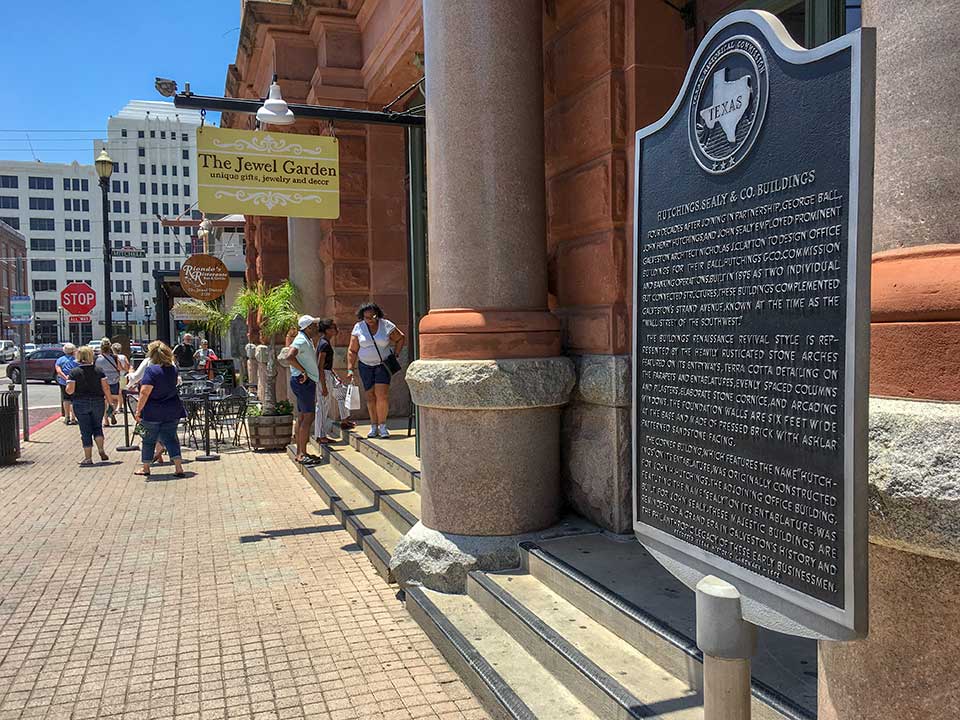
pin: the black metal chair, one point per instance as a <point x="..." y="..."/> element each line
<point x="229" y="419"/>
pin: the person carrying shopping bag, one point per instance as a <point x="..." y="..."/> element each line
<point x="332" y="389"/>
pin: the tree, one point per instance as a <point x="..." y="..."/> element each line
<point x="276" y="309"/>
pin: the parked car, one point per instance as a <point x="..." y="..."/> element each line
<point x="137" y="351"/>
<point x="27" y="349"/>
<point x="40" y="366"/>
<point x="7" y="351"/>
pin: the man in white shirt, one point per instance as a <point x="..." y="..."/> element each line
<point x="304" y="376"/>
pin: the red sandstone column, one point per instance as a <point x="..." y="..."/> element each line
<point x="904" y="667"/>
<point x="490" y="384"/>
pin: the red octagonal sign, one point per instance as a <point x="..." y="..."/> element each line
<point x="78" y="298"/>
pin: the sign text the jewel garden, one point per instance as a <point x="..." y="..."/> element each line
<point x="267" y="173"/>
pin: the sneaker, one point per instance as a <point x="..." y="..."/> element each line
<point x="384" y="433"/>
<point x="373" y="431"/>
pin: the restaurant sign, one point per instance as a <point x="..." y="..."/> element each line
<point x="204" y="277"/>
<point x="266" y="173"/>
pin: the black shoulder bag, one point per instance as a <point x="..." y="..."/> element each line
<point x="391" y="363"/>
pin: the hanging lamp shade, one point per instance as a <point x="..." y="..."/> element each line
<point x="104" y="165"/>
<point x="275" y="110"/>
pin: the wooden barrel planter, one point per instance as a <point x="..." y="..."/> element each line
<point x="270" y="432"/>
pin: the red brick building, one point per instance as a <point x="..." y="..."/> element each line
<point x="13" y="245"/>
<point x="530" y="260"/>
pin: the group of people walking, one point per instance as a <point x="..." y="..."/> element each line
<point x="375" y="344"/>
<point x="91" y="392"/>
<point x="92" y="386"/>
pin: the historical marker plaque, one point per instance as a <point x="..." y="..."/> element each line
<point x="751" y="324"/>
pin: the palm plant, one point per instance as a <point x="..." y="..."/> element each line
<point x="276" y="309"/>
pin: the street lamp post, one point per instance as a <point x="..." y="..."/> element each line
<point x="127" y="297"/>
<point x="147" y="313"/>
<point x="104" y="167"/>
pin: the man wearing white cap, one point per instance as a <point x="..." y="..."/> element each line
<point x="304" y="376"/>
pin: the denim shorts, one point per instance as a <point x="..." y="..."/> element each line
<point x="306" y="394"/>
<point x="371" y="375"/>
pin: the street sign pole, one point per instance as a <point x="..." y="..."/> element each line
<point x="23" y="357"/>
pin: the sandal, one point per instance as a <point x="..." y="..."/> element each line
<point x="141" y="473"/>
<point x="86" y="463"/>
<point x="104" y="456"/>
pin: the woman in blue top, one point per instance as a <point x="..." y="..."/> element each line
<point x="159" y="409"/>
<point x="66" y="363"/>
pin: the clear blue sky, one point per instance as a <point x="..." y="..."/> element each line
<point x="67" y="65"/>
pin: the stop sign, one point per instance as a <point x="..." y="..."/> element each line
<point x="78" y="298"/>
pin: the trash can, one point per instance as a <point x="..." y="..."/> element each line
<point x="9" y="427"/>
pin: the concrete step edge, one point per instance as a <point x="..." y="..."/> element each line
<point x="370" y="487"/>
<point x="762" y="693"/>
<point x="396" y="466"/>
<point x="486" y="682"/>
<point x="629" y="704"/>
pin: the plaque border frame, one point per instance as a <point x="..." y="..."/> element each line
<point x="764" y="601"/>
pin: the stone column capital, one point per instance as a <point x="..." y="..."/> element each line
<point x="491" y="384"/>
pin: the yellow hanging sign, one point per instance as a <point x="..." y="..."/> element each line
<point x="266" y="173"/>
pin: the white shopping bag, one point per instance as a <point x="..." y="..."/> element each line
<point x="353" y="398"/>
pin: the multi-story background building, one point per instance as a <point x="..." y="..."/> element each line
<point x="57" y="208"/>
<point x="153" y="146"/>
<point x="13" y="257"/>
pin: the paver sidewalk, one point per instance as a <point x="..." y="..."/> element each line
<point x="228" y="594"/>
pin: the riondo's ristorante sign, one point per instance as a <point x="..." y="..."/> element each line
<point x="266" y="173"/>
<point x="751" y="324"/>
<point x="204" y="277"/>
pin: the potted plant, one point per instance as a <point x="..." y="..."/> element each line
<point x="276" y="309"/>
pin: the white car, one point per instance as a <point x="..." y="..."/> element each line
<point x="7" y="351"/>
<point x="27" y="349"/>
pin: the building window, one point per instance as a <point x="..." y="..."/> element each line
<point x="163" y="134"/>
<point x="41" y="203"/>
<point x="41" y="183"/>
<point x="163" y="188"/>
<point x="123" y="132"/>
<point x="186" y="171"/>
<point x="156" y="247"/>
<point x="45" y="305"/>
<point x="116" y="167"/>
<point x="85" y="184"/>
<point x="166" y="248"/>
<point x="66" y="183"/>
<point x="153" y="169"/>
<point x="141" y="152"/>
<point x="176" y="231"/>
<point x="76" y="184"/>
<point x="126" y="186"/>
<point x="186" y="154"/>
<point x="126" y="206"/>
<point x="143" y="209"/>
<point x="126" y="226"/>
<point x="118" y="266"/>
<point x="176" y="247"/>
<point x="42" y="224"/>
<point x="166" y="265"/>
<point x="10" y="202"/>
<point x="166" y="208"/>
<point x="175" y="188"/>
<point x="76" y="205"/>
<point x="143" y="188"/>
<point x="144" y="266"/>
<point x="44" y="285"/>
<point x="156" y="208"/>
<point x="117" y="226"/>
<point x="153" y="133"/>
<point x="9" y="181"/>
<point x="163" y="169"/>
<point x="140" y="134"/>
<point x="185" y="137"/>
<point x="186" y="191"/>
<point x="43" y="244"/>
<point x="86" y="205"/>
<point x="13" y="222"/>
<point x="43" y="265"/>
<point x="143" y="225"/>
<point x="115" y="186"/>
<point x="173" y="170"/>
<point x="67" y="205"/>
<point x="142" y="169"/>
<point x="153" y="189"/>
<point x="146" y="285"/>
<point x="117" y="206"/>
<point x="156" y="228"/>
<point x="86" y="226"/>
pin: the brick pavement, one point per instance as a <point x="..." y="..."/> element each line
<point x="228" y="594"/>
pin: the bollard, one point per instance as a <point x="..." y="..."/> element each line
<point x="126" y="447"/>
<point x="728" y="642"/>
